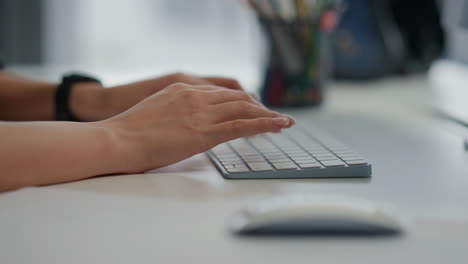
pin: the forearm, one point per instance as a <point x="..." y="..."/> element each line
<point x="25" y="99"/>
<point x="41" y="153"/>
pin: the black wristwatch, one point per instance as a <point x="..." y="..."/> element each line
<point x="62" y="95"/>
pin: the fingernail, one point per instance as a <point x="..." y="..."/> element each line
<point x="281" y="121"/>
<point x="293" y="120"/>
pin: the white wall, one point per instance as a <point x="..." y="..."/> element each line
<point x="146" y="32"/>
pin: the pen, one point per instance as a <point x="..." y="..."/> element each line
<point x="288" y="52"/>
<point x="286" y="10"/>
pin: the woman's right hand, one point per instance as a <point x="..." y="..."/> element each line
<point x="182" y="120"/>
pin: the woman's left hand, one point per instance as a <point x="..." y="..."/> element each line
<point x="92" y="102"/>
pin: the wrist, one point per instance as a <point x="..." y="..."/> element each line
<point x="125" y="153"/>
<point x="86" y="101"/>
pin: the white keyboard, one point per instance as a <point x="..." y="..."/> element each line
<point x="294" y="153"/>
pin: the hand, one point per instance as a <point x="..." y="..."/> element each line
<point x="91" y="102"/>
<point x="183" y="120"/>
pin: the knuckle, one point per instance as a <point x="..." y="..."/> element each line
<point x="191" y="96"/>
<point x="245" y="96"/>
<point x="178" y="86"/>
<point x="247" y="108"/>
<point x="233" y="82"/>
<point x="178" y="76"/>
<point x="186" y="94"/>
<point x="244" y="106"/>
<point x="265" y="123"/>
<point x="236" y="126"/>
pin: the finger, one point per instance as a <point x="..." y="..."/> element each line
<point x="217" y="81"/>
<point x="256" y="100"/>
<point x="238" y="110"/>
<point x="190" y="79"/>
<point x="211" y="87"/>
<point x="232" y="84"/>
<point x="217" y="96"/>
<point x="225" y="82"/>
<point x="205" y="87"/>
<point x="245" y="128"/>
<point x="292" y="119"/>
<point x="184" y="78"/>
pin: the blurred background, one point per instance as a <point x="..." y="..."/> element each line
<point x="145" y="32"/>
<point x="136" y="32"/>
<point x="372" y="39"/>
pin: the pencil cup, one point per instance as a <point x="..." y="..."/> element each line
<point x="297" y="63"/>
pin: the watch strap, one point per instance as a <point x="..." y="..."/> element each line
<point x="62" y="96"/>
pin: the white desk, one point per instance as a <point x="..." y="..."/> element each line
<point x="179" y="214"/>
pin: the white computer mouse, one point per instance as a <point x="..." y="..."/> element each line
<point x="324" y="214"/>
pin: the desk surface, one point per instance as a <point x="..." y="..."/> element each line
<point x="179" y="214"/>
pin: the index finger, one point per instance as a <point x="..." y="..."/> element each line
<point x="225" y="82"/>
<point x="245" y="128"/>
<point x="232" y="84"/>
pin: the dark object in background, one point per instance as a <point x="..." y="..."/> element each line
<point x="21" y="31"/>
<point x="382" y="37"/>
<point x="455" y="23"/>
<point x="296" y="34"/>
<point x="304" y="84"/>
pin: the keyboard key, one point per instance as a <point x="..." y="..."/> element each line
<point x="232" y="162"/>
<point x="227" y="156"/>
<point x="223" y="151"/>
<point x="321" y="153"/>
<point x="260" y="166"/>
<point x="269" y="151"/>
<point x="352" y="158"/>
<point x="333" y="163"/>
<point x="252" y="157"/>
<point x="247" y="152"/>
<point x="254" y="160"/>
<point x="299" y="155"/>
<point x="357" y="162"/>
<point x="238" y="168"/>
<point x="275" y="156"/>
<point x="306" y="161"/>
<point x="326" y="158"/>
<point x="285" y="165"/>
<point x="344" y="152"/>
<point x="300" y="159"/>
<point x="310" y="165"/>
<point x="298" y="151"/>
<point x="279" y="160"/>
<point x="229" y="159"/>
